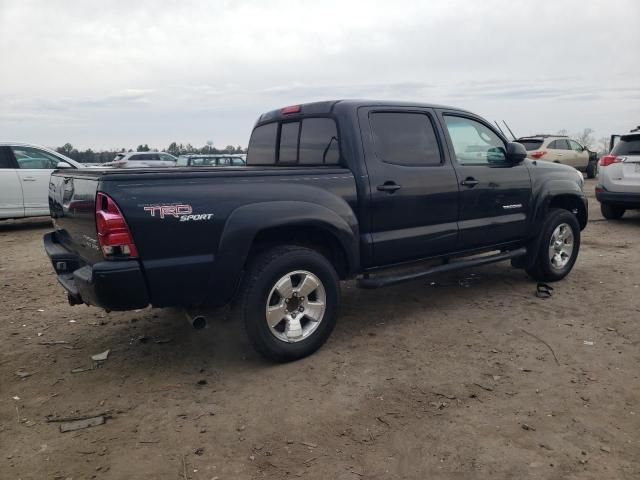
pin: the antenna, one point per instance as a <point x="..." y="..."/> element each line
<point x="499" y="128"/>
<point x="505" y="124"/>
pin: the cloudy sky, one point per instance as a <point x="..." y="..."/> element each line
<point x="111" y="74"/>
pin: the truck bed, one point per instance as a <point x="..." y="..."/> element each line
<point x="177" y="217"/>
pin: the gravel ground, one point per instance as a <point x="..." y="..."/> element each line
<point x="447" y="380"/>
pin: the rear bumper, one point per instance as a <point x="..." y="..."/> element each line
<point x="623" y="199"/>
<point x="115" y="285"/>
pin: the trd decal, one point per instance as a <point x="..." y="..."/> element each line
<point x="182" y="212"/>
<point x="173" y="210"/>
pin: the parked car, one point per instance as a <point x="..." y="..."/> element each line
<point x="210" y="160"/>
<point x="24" y="178"/>
<point x="618" y="187"/>
<point x="561" y="149"/>
<point x="382" y="192"/>
<point x="142" y="160"/>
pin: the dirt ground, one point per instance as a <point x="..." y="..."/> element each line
<point x="450" y="380"/>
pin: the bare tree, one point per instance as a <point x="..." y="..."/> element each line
<point x="603" y="145"/>
<point x="585" y="137"/>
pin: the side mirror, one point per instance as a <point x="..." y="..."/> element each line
<point x="516" y="152"/>
<point x="63" y="164"/>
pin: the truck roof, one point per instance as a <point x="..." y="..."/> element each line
<point x="328" y="106"/>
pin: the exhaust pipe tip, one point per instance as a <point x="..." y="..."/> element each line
<point x="198" y="322"/>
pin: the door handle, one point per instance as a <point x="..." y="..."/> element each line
<point x="28" y="179"/>
<point x="388" y="187"/>
<point x="469" y="182"/>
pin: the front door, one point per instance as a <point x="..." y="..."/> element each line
<point x="580" y="155"/>
<point x="413" y="188"/>
<point x="34" y="170"/>
<point x="495" y="195"/>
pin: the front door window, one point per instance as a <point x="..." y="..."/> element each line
<point x="474" y="143"/>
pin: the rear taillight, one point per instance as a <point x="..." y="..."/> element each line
<point x="538" y="155"/>
<point x="114" y="236"/>
<point x="609" y="159"/>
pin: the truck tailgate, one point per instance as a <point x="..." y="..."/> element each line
<point x="72" y="204"/>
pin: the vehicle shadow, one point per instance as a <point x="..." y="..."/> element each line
<point x="165" y="342"/>
<point x="24" y="224"/>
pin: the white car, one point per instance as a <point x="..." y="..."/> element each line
<point x="143" y="160"/>
<point x="24" y="178"/>
<point x="618" y="187"/>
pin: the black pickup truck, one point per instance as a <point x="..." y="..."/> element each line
<point x="384" y="192"/>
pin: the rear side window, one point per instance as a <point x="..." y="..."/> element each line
<point x="311" y="141"/>
<point x="144" y="157"/>
<point x="405" y="138"/>
<point x="530" y="144"/>
<point x="627" y="145"/>
<point x="559" y="145"/>
<point x="262" y="145"/>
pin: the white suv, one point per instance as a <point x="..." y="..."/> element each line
<point x="618" y="187"/>
<point x="143" y="160"/>
<point x="560" y="149"/>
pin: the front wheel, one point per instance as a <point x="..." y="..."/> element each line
<point x="611" y="212"/>
<point x="558" y="246"/>
<point x="289" y="301"/>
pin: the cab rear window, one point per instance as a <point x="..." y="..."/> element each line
<point x="310" y="141"/>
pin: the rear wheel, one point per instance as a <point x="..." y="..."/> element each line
<point x="558" y="247"/>
<point x="289" y="302"/>
<point x="611" y="212"/>
<point x="592" y="169"/>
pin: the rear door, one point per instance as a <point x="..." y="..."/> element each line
<point x="414" y="189"/>
<point x="495" y="195"/>
<point x="559" y="152"/>
<point x="11" y="202"/>
<point x="34" y="170"/>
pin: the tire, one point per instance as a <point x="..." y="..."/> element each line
<point x="553" y="265"/>
<point x="289" y="339"/>
<point x="611" y="212"/>
<point x="592" y="169"/>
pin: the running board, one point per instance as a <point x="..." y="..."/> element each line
<point x="387" y="280"/>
